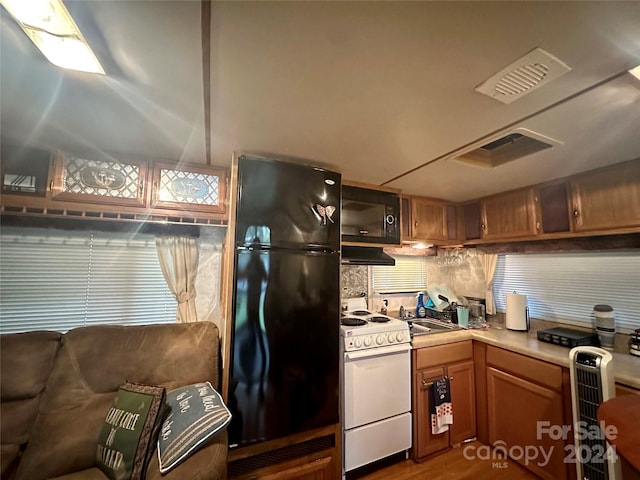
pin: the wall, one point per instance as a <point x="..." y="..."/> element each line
<point x="460" y="270"/>
<point x="354" y="280"/>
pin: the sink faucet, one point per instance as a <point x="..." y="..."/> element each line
<point x="402" y="312"/>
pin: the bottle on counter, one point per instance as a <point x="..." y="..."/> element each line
<point x="421" y="311"/>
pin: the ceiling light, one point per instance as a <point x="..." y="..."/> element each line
<point x="50" y="26"/>
<point x="635" y="72"/>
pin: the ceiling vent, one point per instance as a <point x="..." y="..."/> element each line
<point x="535" y="69"/>
<point x="515" y="144"/>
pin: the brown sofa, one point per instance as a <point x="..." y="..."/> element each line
<point x="57" y="388"/>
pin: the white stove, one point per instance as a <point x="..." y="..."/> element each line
<point x="362" y="329"/>
<point x="376" y="365"/>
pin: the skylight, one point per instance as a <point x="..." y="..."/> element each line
<point x="50" y="27"/>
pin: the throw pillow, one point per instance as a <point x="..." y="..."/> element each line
<point x="196" y="414"/>
<point x="128" y="437"/>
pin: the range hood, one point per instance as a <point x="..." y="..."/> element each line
<point x="365" y="256"/>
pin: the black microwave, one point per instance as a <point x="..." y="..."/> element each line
<point x="370" y="216"/>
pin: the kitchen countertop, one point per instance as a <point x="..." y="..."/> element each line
<point x="626" y="367"/>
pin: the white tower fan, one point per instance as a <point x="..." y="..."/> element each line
<point x="592" y="382"/>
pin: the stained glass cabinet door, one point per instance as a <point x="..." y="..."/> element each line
<point x="189" y="187"/>
<point x="99" y="181"/>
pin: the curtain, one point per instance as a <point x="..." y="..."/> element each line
<point x="179" y="263"/>
<point x="488" y="262"/>
<point x="209" y="275"/>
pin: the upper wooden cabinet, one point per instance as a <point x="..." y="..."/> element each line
<point x="122" y="189"/>
<point x="428" y="219"/>
<point x="552" y="208"/>
<point x="24" y="170"/>
<point x="509" y="215"/>
<point x="606" y="199"/>
<point x="472" y="221"/>
<point x="189" y="187"/>
<point x="96" y="181"/>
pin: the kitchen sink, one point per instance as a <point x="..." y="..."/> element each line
<point x="425" y="327"/>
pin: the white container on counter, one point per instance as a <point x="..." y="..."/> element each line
<point x="605" y="326"/>
<point x="517" y="314"/>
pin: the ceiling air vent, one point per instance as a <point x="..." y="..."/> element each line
<point x="516" y="144"/>
<point x="535" y="69"/>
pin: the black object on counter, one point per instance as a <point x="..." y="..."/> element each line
<point x="568" y="337"/>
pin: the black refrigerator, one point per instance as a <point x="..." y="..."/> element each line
<point x="284" y="365"/>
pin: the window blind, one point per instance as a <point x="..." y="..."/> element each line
<point x="58" y="280"/>
<point x="564" y="287"/>
<point x="409" y="274"/>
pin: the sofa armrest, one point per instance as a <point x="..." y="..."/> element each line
<point x="207" y="463"/>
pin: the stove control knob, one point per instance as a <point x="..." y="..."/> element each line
<point x="380" y="340"/>
<point x="367" y="341"/>
<point x="399" y="337"/>
<point x="391" y="338"/>
<point x="357" y="342"/>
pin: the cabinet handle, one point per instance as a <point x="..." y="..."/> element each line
<point x="483" y="226"/>
<point x="538" y="226"/>
<point x="576" y="216"/>
<point x="415" y="224"/>
<point x="426" y="384"/>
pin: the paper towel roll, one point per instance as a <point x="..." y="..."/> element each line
<point x="517" y="314"/>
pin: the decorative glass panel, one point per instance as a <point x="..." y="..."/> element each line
<point x="188" y="187"/>
<point x="107" y="179"/>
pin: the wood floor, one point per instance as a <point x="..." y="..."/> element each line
<point x="454" y="464"/>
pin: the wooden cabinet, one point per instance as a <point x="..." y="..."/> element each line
<point x="99" y="181"/>
<point x="603" y="201"/>
<point x="319" y="469"/>
<point x="65" y="186"/>
<point x="606" y="199"/>
<point x="189" y="187"/>
<point x="428" y="219"/>
<point x="310" y="455"/>
<point x="523" y="396"/>
<point x="24" y="170"/>
<point x="509" y="215"/>
<point x="552" y="208"/>
<point x="429" y="364"/>
<point x="472" y="221"/>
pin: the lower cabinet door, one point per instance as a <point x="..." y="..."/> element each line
<point x="520" y="414"/>
<point x="320" y="469"/>
<point x="463" y="399"/>
<point x="425" y="442"/>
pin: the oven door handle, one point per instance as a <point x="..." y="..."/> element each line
<point x="378" y="351"/>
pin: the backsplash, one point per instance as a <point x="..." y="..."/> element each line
<point x="465" y="278"/>
<point x="354" y="281"/>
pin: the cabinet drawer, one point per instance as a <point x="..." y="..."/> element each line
<point x="537" y="371"/>
<point x="443" y="354"/>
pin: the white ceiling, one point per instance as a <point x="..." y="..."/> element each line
<point x="382" y="91"/>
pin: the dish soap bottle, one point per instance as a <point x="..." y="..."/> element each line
<point x="421" y="312"/>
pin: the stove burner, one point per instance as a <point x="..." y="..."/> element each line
<point x="353" y="322"/>
<point x="378" y="319"/>
<point x="360" y="312"/>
